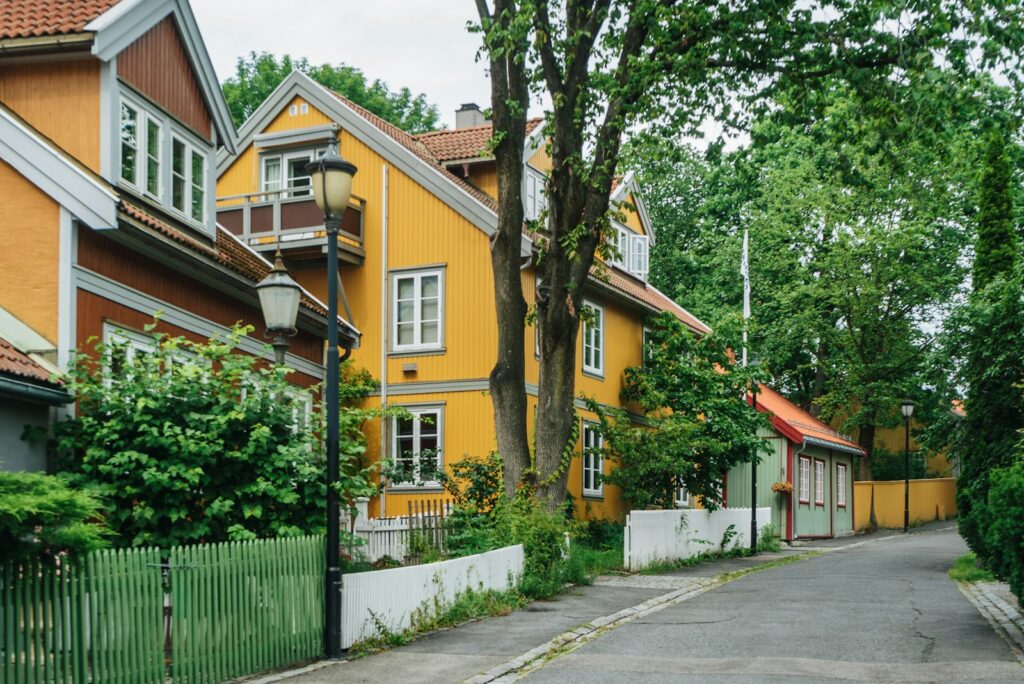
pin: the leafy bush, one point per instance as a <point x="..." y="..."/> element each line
<point x="1004" y="525"/>
<point x="706" y="429"/>
<point x="966" y="569"/>
<point x="888" y="465"/>
<point x="195" y="443"/>
<point x="41" y="516"/>
<point x="600" y="534"/>
<point x="524" y="520"/>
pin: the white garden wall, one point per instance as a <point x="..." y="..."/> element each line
<point x="393" y="596"/>
<point x="653" y="536"/>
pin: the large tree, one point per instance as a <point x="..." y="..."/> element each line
<point x="257" y="75"/>
<point x="609" y="65"/>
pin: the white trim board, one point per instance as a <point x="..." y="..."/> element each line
<point x="100" y="285"/>
<point x="54" y="174"/>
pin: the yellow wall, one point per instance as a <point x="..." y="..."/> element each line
<point x="540" y="160"/>
<point x="61" y="100"/>
<point x="485" y="176"/>
<point x="424" y="231"/>
<point x="930" y="500"/>
<point x="632" y="217"/>
<point x="30" y="226"/>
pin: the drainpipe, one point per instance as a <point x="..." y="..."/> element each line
<point x="796" y="465"/>
<point x="385" y="302"/>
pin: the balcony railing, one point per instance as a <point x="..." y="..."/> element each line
<point x="290" y="218"/>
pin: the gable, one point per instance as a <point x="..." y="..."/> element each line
<point x="157" y="65"/>
<point x="631" y="216"/>
<point x="297" y="113"/>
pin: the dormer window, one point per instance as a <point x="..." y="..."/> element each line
<point x="148" y="138"/>
<point x="634" y="252"/>
<point x="535" y="201"/>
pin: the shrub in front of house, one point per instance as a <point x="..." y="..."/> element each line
<point x="190" y="442"/>
<point x="40" y="517"/>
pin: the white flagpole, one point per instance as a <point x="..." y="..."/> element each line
<point x="745" y="272"/>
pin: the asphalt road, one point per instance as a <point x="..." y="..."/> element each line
<point x="882" y="612"/>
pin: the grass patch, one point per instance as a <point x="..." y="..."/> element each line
<point x="585" y="563"/>
<point x="788" y="560"/>
<point x="966" y="569"/>
<point x="660" y="567"/>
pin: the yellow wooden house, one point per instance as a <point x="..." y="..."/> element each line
<point x="416" y="273"/>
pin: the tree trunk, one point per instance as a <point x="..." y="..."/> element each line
<point x="866" y="439"/>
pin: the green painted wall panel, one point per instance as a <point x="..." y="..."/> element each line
<point x="772" y="468"/>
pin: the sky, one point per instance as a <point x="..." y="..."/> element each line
<point x="419" y="44"/>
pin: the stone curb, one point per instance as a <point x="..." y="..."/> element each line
<point x="1005" y="620"/>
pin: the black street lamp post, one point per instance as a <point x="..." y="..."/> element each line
<point x="753" y="489"/>
<point x="331" y="178"/>
<point x="907" y="409"/>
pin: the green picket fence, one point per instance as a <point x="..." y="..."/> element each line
<point x="244" y="607"/>
<point x="232" y="609"/>
<point x="97" y="620"/>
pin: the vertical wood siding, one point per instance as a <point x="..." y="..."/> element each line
<point x="158" y="66"/>
<point x="61" y="100"/>
<point x="30" y="227"/>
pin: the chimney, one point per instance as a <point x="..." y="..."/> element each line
<point x="469" y="115"/>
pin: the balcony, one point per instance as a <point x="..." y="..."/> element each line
<point x="290" y="217"/>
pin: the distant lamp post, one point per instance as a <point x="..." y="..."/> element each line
<point x="907" y="409"/>
<point x="279" y="299"/>
<point x="331" y="178"/>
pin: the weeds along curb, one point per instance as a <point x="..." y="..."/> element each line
<point x="571" y="640"/>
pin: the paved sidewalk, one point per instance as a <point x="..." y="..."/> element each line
<point x="463" y="652"/>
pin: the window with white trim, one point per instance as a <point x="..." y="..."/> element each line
<point x="593" y="460"/>
<point x="416" y="446"/>
<point x="286" y="172"/>
<point x="841" y="485"/>
<point x="302" y="408"/>
<point x="124" y="347"/>
<point x="141" y="149"/>
<point x="819" y="482"/>
<point x="639" y="248"/>
<point x="647" y="349"/>
<point x="805" y="480"/>
<point x="622" y="246"/>
<point x="417" y="310"/>
<point x="593" y="339"/>
<point x="188" y="179"/>
<point x="682" y="496"/>
<point x="535" y="200"/>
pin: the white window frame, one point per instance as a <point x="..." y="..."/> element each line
<point x="191" y="150"/>
<point x="639" y="255"/>
<point x="286" y="189"/>
<point x="805" y="480"/>
<point x="592" y="460"/>
<point x="840" y="485"/>
<point x="645" y="347"/>
<point x="535" y="200"/>
<point x="595" y="366"/>
<point x="819" y="482"/>
<point x="140" y="179"/>
<point x="416" y="412"/>
<point x="622" y="245"/>
<point x="417" y="344"/>
<point x="682" y="496"/>
<point x="133" y="342"/>
<point x="302" y="409"/>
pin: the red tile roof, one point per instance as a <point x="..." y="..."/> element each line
<point x="797" y="423"/>
<point x="652" y="296"/>
<point x="463" y="143"/>
<point x="14" y="362"/>
<point x="34" y="18"/>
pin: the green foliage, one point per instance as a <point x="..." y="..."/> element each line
<point x="997" y="250"/>
<point x="475" y="482"/>
<point x="1004" y="525"/>
<point x="768" y="540"/>
<point x="196" y="443"/>
<point x="41" y="516"/>
<point x="257" y="75"/>
<point x="689" y="389"/>
<point x="966" y="569"/>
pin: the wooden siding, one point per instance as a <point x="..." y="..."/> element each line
<point x="61" y="100"/>
<point x="632" y="217"/>
<point x="485" y="177"/>
<point x="158" y="66"/>
<point x="424" y="232"/>
<point x="118" y="262"/>
<point x="30" y="226"/>
<point x="93" y="311"/>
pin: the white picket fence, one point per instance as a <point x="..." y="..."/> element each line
<point x="391" y="536"/>
<point x="391" y="599"/>
<point x="653" y="536"/>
